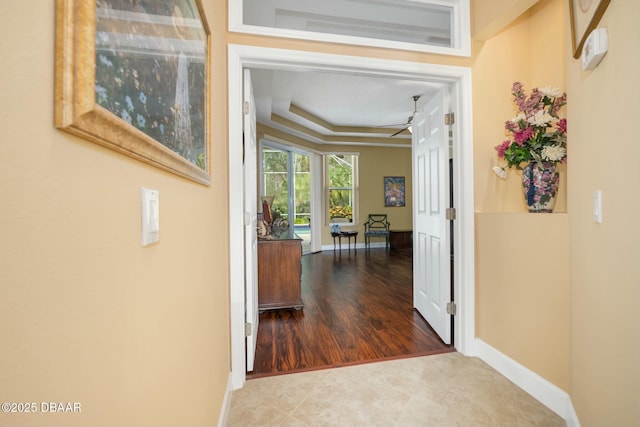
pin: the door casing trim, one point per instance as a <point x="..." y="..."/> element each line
<point x="459" y="81"/>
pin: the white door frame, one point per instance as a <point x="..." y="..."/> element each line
<point x="459" y="78"/>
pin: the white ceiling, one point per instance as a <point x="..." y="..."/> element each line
<point x="324" y="107"/>
<point x="338" y="100"/>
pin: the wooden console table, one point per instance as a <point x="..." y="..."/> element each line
<point x="280" y="271"/>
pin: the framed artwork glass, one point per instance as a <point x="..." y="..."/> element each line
<point x="134" y="76"/>
<point x="585" y="15"/>
<point x="394" y="191"/>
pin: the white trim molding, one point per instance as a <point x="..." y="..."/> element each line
<point x="458" y="79"/>
<point x="226" y="404"/>
<point x="550" y="395"/>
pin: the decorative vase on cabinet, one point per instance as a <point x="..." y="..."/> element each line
<point x="540" y="185"/>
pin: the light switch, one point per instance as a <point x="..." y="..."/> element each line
<point x="597" y="206"/>
<point x="150" y="201"/>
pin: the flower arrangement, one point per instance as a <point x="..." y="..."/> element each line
<point x="537" y="133"/>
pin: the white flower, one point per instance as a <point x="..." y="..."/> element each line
<point x="541" y="118"/>
<point x="553" y="153"/>
<point x="551" y="92"/>
<point x="500" y="172"/>
<point x="518" y="118"/>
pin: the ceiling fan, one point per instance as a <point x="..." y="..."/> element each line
<point x="407" y="124"/>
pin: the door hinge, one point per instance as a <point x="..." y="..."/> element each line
<point x="450" y="213"/>
<point x="449" y="119"/>
<point x="248" y="329"/>
<point x="451" y="308"/>
<point x="246" y="107"/>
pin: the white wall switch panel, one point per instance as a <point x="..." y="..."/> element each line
<point x="597" y="206"/>
<point x="150" y="201"/>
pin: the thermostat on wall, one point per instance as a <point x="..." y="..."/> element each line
<point x="595" y="48"/>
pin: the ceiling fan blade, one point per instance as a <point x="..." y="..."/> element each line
<point x="406" y="124"/>
<point x="399" y="132"/>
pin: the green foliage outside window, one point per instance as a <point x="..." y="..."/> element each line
<point x="341" y="178"/>
<point x="276" y="183"/>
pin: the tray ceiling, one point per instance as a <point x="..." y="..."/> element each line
<point x="330" y="108"/>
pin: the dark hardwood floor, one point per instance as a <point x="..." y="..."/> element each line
<point x="357" y="308"/>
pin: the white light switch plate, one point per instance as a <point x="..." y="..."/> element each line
<point x="597" y="206"/>
<point x="150" y="201"/>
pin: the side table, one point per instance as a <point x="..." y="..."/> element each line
<point x="348" y="235"/>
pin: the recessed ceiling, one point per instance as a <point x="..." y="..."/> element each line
<point x="331" y="108"/>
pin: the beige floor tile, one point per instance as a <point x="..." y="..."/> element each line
<point x="440" y="390"/>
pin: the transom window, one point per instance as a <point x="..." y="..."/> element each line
<point x="439" y="26"/>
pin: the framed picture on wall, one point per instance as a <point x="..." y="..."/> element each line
<point x="394" y="191"/>
<point x="134" y="77"/>
<point x="585" y="15"/>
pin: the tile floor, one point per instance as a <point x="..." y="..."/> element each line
<point x="441" y="390"/>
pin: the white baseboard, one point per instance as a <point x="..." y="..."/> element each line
<point x="358" y="246"/>
<point x="572" y="416"/>
<point x="542" y="390"/>
<point x="226" y="403"/>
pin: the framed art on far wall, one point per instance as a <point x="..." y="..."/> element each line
<point x="394" y="191"/>
<point x="584" y="15"/>
<point x="134" y="77"/>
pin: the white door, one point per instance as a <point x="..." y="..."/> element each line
<point x="431" y="259"/>
<point x="250" y="218"/>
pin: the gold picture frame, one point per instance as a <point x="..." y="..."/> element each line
<point x="584" y="15"/>
<point x="126" y="77"/>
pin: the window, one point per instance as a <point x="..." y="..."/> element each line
<point x="341" y="183"/>
<point x="275" y="181"/>
<point x="286" y="175"/>
<point x="437" y="26"/>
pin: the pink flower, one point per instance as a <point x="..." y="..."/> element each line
<point x="536" y="128"/>
<point x="511" y="126"/>
<point x="521" y="136"/>
<point x="557" y="104"/>
<point x="532" y="105"/>
<point x="562" y="125"/>
<point x="502" y="148"/>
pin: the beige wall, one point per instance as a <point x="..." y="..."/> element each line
<point x="522" y="270"/>
<point x="141" y="335"/>
<point x="375" y="164"/>
<point x="135" y="335"/>
<point x="522" y="297"/>
<point x="527" y="51"/>
<point x="489" y="17"/>
<point x="605" y="273"/>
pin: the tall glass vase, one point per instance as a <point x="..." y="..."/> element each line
<point x="540" y="185"/>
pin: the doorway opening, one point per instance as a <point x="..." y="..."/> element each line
<point x="459" y="78"/>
